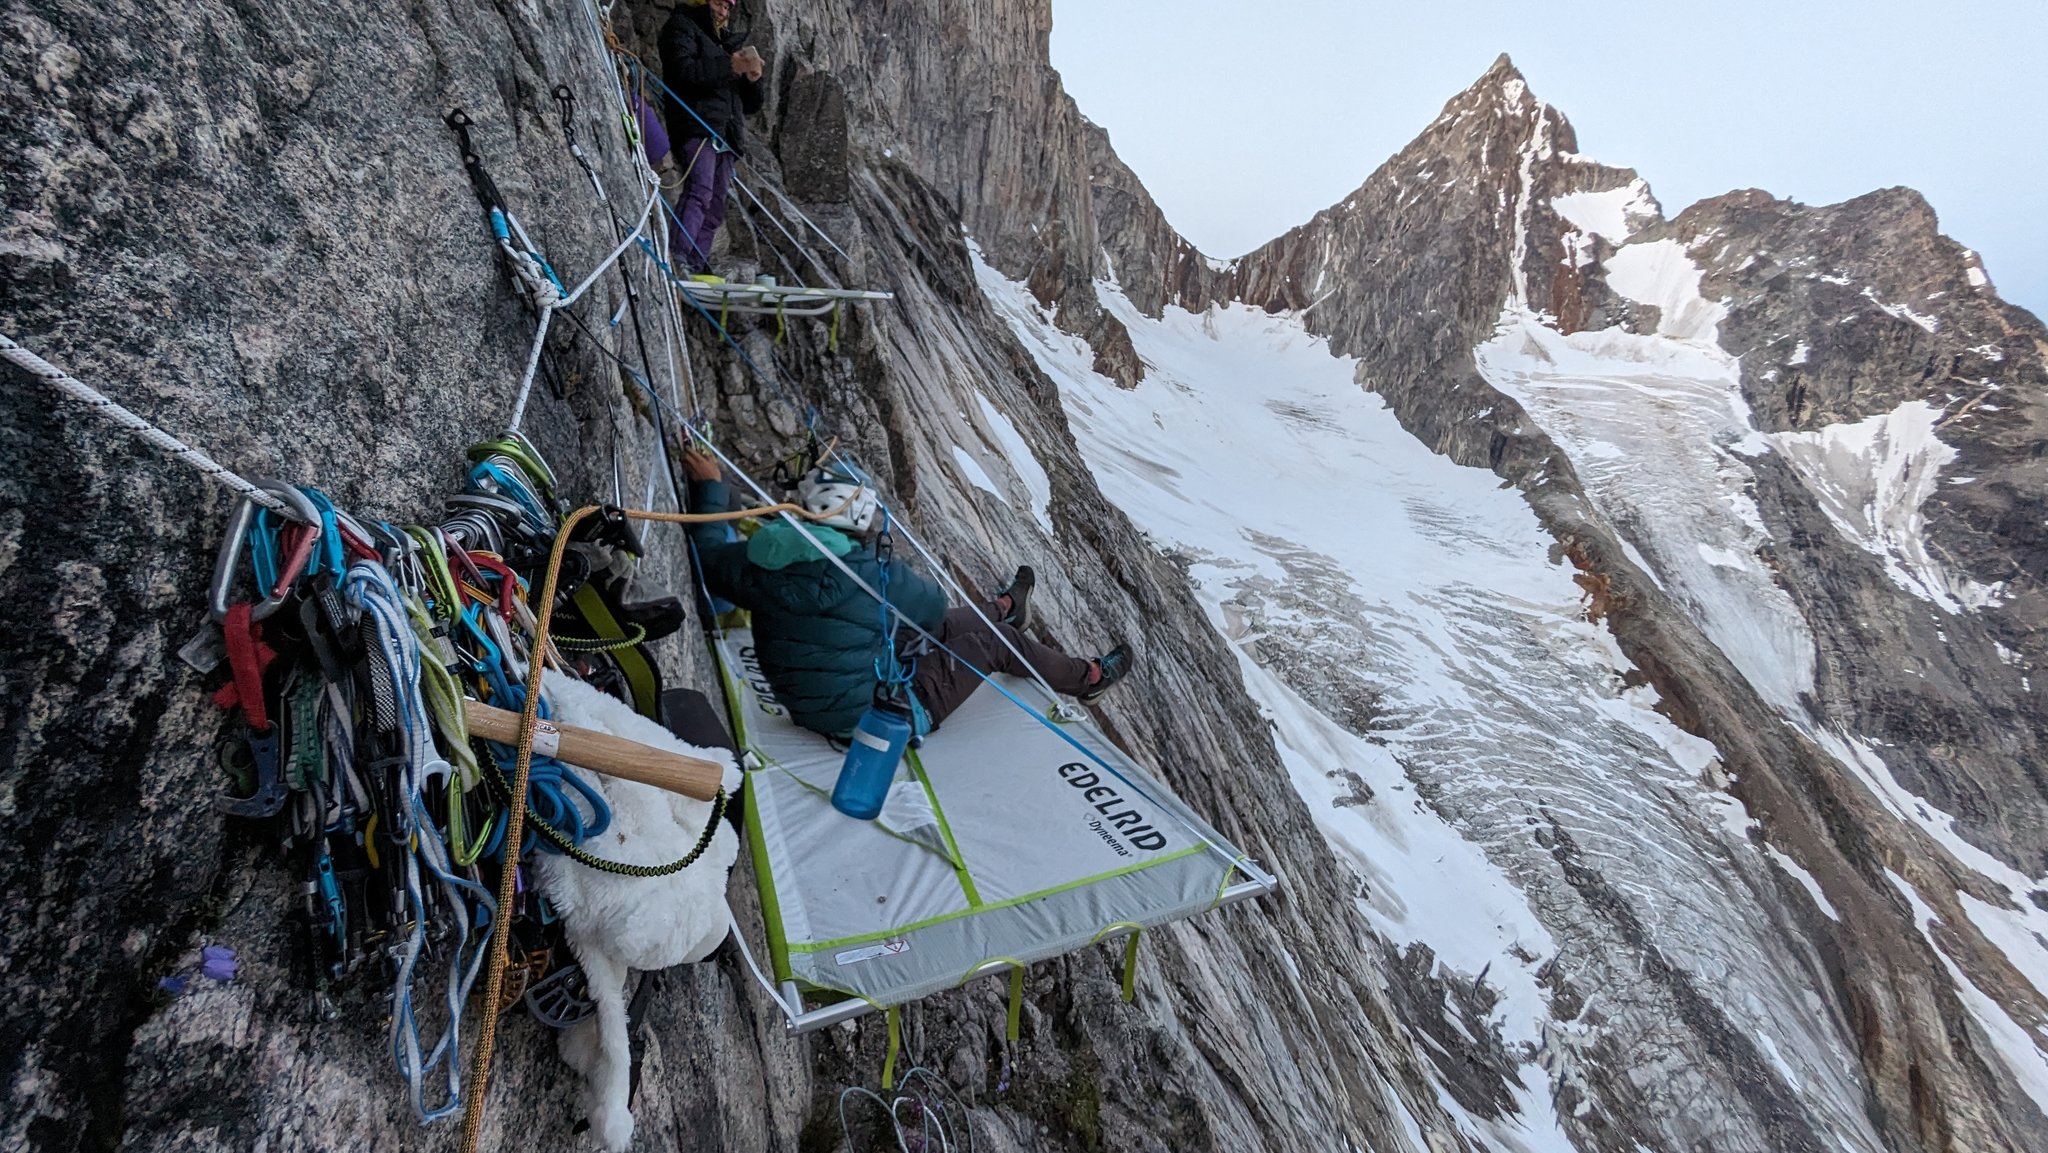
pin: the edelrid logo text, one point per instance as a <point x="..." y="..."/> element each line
<point x="1117" y="813"/>
<point x="750" y="672"/>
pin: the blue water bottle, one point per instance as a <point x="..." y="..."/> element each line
<point x="871" y="759"/>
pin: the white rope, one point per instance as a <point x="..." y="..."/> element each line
<point x="638" y="228"/>
<point x="540" y="338"/>
<point x="1050" y="716"/>
<point x="672" y="319"/>
<point x="755" y="966"/>
<point x="547" y="312"/>
<point x="177" y="449"/>
<point x="659" y="236"/>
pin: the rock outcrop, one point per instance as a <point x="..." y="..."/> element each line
<point x="249" y="222"/>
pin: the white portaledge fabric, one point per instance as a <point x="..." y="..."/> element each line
<point x="1052" y="851"/>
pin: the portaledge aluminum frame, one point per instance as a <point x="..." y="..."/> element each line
<point x="800" y="1022"/>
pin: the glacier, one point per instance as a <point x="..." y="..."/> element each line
<point x="1472" y="746"/>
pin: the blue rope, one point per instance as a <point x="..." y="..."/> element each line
<point x="634" y="67"/>
<point x="941" y="646"/>
<point x="894" y="674"/>
<point x="552" y="790"/>
<point x="811" y="415"/>
<point x="702" y="256"/>
<point x="1061" y="733"/>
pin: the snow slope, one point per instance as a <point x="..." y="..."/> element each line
<point x="1459" y="731"/>
<point x="1870" y="478"/>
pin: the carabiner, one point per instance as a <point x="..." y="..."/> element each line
<point x="230" y="555"/>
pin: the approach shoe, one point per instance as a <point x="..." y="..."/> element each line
<point x="1115" y="665"/>
<point x="1019" y="593"/>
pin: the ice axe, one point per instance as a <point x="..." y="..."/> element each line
<point x="601" y="752"/>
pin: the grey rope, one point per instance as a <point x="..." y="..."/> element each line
<point x="177" y="449"/>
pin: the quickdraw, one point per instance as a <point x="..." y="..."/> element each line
<point x="533" y="270"/>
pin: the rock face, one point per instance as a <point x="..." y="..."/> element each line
<point x="249" y="222"/>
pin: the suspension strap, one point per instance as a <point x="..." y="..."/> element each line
<point x="895" y="1018"/>
<point x="1131" y="966"/>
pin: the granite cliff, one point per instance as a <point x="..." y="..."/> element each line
<point x="249" y="222"/>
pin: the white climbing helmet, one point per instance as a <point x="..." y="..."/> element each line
<point x="826" y="488"/>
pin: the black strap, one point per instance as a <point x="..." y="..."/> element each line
<point x="479" y="180"/>
<point x="567" y="99"/>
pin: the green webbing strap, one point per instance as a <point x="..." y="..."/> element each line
<point x="444" y="703"/>
<point x="757" y="842"/>
<point x="931" y="797"/>
<point x="832" y="341"/>
<point x="1016" y="1023"/>
<point x="570" y="644"/>
<point x="781" y="324"/>
<point x="440" y="581"/>
<point x="307" y="761"/>
<point x="1131" y="967"/>
<point x="895" y="1017"/>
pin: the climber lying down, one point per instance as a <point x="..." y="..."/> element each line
<point x="819" y="635"/>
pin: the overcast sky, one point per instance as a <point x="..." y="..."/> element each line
<point x="1244" y="119"/>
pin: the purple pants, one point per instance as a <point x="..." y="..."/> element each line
<point x="653" y="134"/>
<point x="701" y="207"/>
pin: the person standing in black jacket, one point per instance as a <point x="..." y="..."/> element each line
<point x="719" y="82"/>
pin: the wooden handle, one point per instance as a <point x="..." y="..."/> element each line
<point x="601" y="752"/>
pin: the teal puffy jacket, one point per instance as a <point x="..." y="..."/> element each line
<point x="816" y="633"/>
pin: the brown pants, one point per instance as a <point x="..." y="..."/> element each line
<point x="943" y="685"/>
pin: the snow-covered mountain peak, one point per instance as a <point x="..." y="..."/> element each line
<point x="1789" y="454"/>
